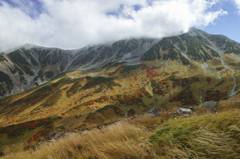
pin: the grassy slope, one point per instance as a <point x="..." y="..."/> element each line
<point x="209" y="136"/>
<point x="206" y="136"/>
<point x="124" y="82"/>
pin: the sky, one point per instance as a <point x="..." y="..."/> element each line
<point x="72" y="24"/>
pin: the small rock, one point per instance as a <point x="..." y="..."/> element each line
<point x="84" y="132"/>
<point x="53" y="135"/>
<point x="154" y="111"/>
<point x="210" y="104"/>
<point x="214" y="111"/>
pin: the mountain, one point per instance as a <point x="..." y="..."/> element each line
<point x="47" y="89"/>
<point x="30" y="65"/>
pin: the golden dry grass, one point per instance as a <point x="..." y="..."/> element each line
<point x="194" y="137"/>
<point x="206" y="136"/>
<point x="120" y="140"/>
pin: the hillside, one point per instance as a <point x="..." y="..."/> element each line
<point x="197" y="136"/>
<point x="75" y="90"/>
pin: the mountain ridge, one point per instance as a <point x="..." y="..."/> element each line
<point x="38" y="64"/>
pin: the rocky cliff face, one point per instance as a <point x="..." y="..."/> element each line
<point x="30" y="66"/>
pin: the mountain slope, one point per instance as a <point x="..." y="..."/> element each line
<point x="30" y="65"/>
<point x="97" y="85"/>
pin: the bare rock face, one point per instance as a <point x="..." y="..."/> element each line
<point x="154" y="111"/>
<point x="30" y="66"/>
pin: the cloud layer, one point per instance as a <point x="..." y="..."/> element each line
<point x="237" y="3"/>
<point x="75" y="23"/>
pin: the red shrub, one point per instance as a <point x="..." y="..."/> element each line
<point x="113" y="98"/>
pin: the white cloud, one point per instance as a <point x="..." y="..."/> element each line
<point x="76" y="23"/>
<point x="237" y="3"/>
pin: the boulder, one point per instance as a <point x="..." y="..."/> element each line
<point x="192" y="108"/>
<point x="209" y="105"/>
<point x="53" y="135"/>
<point x="184" y="111"/>
<point x="154" y="111"/>
<point x="214" y="111"/>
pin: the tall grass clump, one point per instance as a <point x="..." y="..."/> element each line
<point x="208" y="136"/>
<point x="120" y="140"/>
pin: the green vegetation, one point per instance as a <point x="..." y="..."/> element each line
<point x="113" y="64"/>
<point x="131" y="112"/>
<point x="115" y="108"/>
<point x="14" y="131"/>
<point x="186" y="37"/>
<point x="207" y="136"/>
<point x="185" y="61"/>
<point x="118" y="43"/>
<point x="5" y="78"/>
<point x="214" y="53"/>
<point x="194" y="46"/>
<point x="207" y="55"/>
<point x="28" y="54"/>
<point x="100" y="80"/>
<point x="175" y="39"/>
<point x="103" y="110"/>
<point x="19" y="71"/>
<point x="75" y="87"/>
<point x="211" y="95"/>
<point x="52" y="58"/>
<point x="193" y="49"/>
<point x="232" y="48"/>
<point x="203" y="40"/>
<point x="28" y="70"/>
<point x="2" y="58"/>
<point x="182" y="47"/>
<point x="186" y="97"/>
<point x="152" y="54"/>
<point x="52" y="99"/>
<point x="49" y="74"/>
<point x="129" y="68"/>
<point x="2" y="91"/>
<point x="165" y="43"/>
<point x="59" y="75"/>
<point x="90" y="56"/>
<point x="17" y="58"/>
<point x="42" y="54"/>
<point x="41" y="93"/>
<point x="103" y="54"/>
<point x="173" y="54"/>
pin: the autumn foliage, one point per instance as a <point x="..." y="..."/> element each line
<point x="214" y="95"/>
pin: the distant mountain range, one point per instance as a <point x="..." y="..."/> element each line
<point x="31" y="65"/>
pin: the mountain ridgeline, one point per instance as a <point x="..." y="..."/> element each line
<point x="30" y="65"/>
